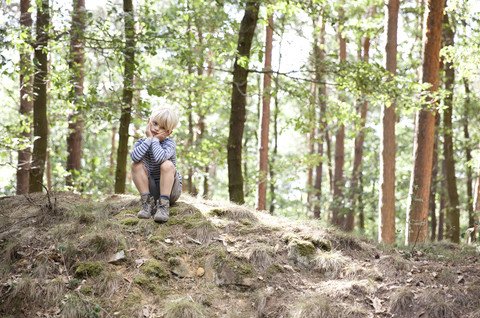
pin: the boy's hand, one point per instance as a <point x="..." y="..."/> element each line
<point x="148" y="131"/>
<point x="161" y="135"/>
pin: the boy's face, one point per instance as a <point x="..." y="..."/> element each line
<point x="156" y="128"/>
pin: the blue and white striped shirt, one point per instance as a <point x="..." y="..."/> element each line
<point x="153" y="153"/>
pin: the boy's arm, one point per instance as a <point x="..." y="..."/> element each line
<point x="163" y="151"/>
<point x="140" y="148"/>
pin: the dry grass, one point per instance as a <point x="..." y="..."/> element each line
<point x="108" y="284"/>
<point x="402" y="302"/>
<point x="437" y="305"/>
<point x="184" y="308"/>
<point x="474" y="314"/>
<point x="261" y="256"/>
<point x="330" y="263"/>
<point x="27" y="289"/>
<point x="317" y="306"/>
<point x="54" y="291"/>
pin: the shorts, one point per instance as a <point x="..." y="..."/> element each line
<point x="154" y="187"/>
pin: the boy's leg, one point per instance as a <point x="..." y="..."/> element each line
<point x="167" y="180"/>
<point x="176" y="189"/>
<point x="140" y="179"/>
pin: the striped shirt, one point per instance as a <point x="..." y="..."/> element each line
<point x="153" y="153"/>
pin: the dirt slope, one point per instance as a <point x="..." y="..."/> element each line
<point x="72" y="257"/>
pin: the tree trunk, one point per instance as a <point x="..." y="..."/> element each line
<point x="238" y="103"/>
<point x="77" y="69"/>
<point x="265" y="118"/>
<point x="386" y="223"/>
<point x="468" y="155"/>
<point x="127" y="97"/>
<point x="328" y="141"/>
<point x="40" y="121"/>
<point x="322" y="102"/>
<point x="453" y="211"/>
<point x="432" y="205"/>
<point x="417" y="213"/>
<point x="26" y="101"/>
<point x="338" y="217"/>
<point x="273" y="156"/>
<point x="441" y="215"/>
<point x="358" y="154"/>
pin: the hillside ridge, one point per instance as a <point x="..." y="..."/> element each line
<point x="63" y="255"/>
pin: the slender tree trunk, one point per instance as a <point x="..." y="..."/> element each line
<point x="328" y="141"/>
<point x="265" y="118"/>
<point x="386" y="223"/>
<point x="443" y="206"/>
<point x="434" y="183"/>
<point x="40" y="120"/>
<point x="127" y="97"/>
<point x="77" y="69"/>
<point x="311" y="146"/>
<point x="338" y="217"/>
<point x="468" y="155"/>
<point x="113" y="151"/>
<point x="358" y="154"/>
<point x="238" y="103"/>
<point x="417" y="213"/>
<point x="26" y="101"/>
<point x="322" y="102"/>
<point x="361" y="212"/>
<point x="453" y="212"/>
<point x="273" y="156"/>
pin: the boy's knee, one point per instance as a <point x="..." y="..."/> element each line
<point x="167" y="166"/>
<point x="138" y="167"/>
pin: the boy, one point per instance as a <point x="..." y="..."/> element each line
<point x="154" y="169"/>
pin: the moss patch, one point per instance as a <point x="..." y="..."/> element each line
<point x="154" y="268"/>
<point x="304" y="248"/>
<point x="130" y="221"/>
<point x="91" y="269"/>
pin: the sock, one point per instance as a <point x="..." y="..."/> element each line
<point x="165" y="197"/>
<point x="145" y="194"/>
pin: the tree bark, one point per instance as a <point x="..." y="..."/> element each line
<point x="77" y="69"/>
<point x="358" y="152"/>
<point x="338" y="217"/>
<point x="26" y="101"/>
<point x="40" y="120"/>
<point x="238" y="103"/>
<point x="417" y="213"/>
<point x="127" y="97"/>
<point x="432" y="205"/>
<point x="265" y="118"/>
<point x="322" y="102"/>
<point x="468" y="155"/>
<point x="386" y="223"/>
<point x="453" y="210"/>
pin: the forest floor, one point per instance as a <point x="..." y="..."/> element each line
<point x="65" y="256"/>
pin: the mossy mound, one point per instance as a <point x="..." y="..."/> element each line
<point x="89" y="269"/>
<point x="154" y="268"/>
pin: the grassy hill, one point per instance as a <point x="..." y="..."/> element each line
<point x="65" y="256"/>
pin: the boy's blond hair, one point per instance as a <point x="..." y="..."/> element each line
<point x="165" y="117"/>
